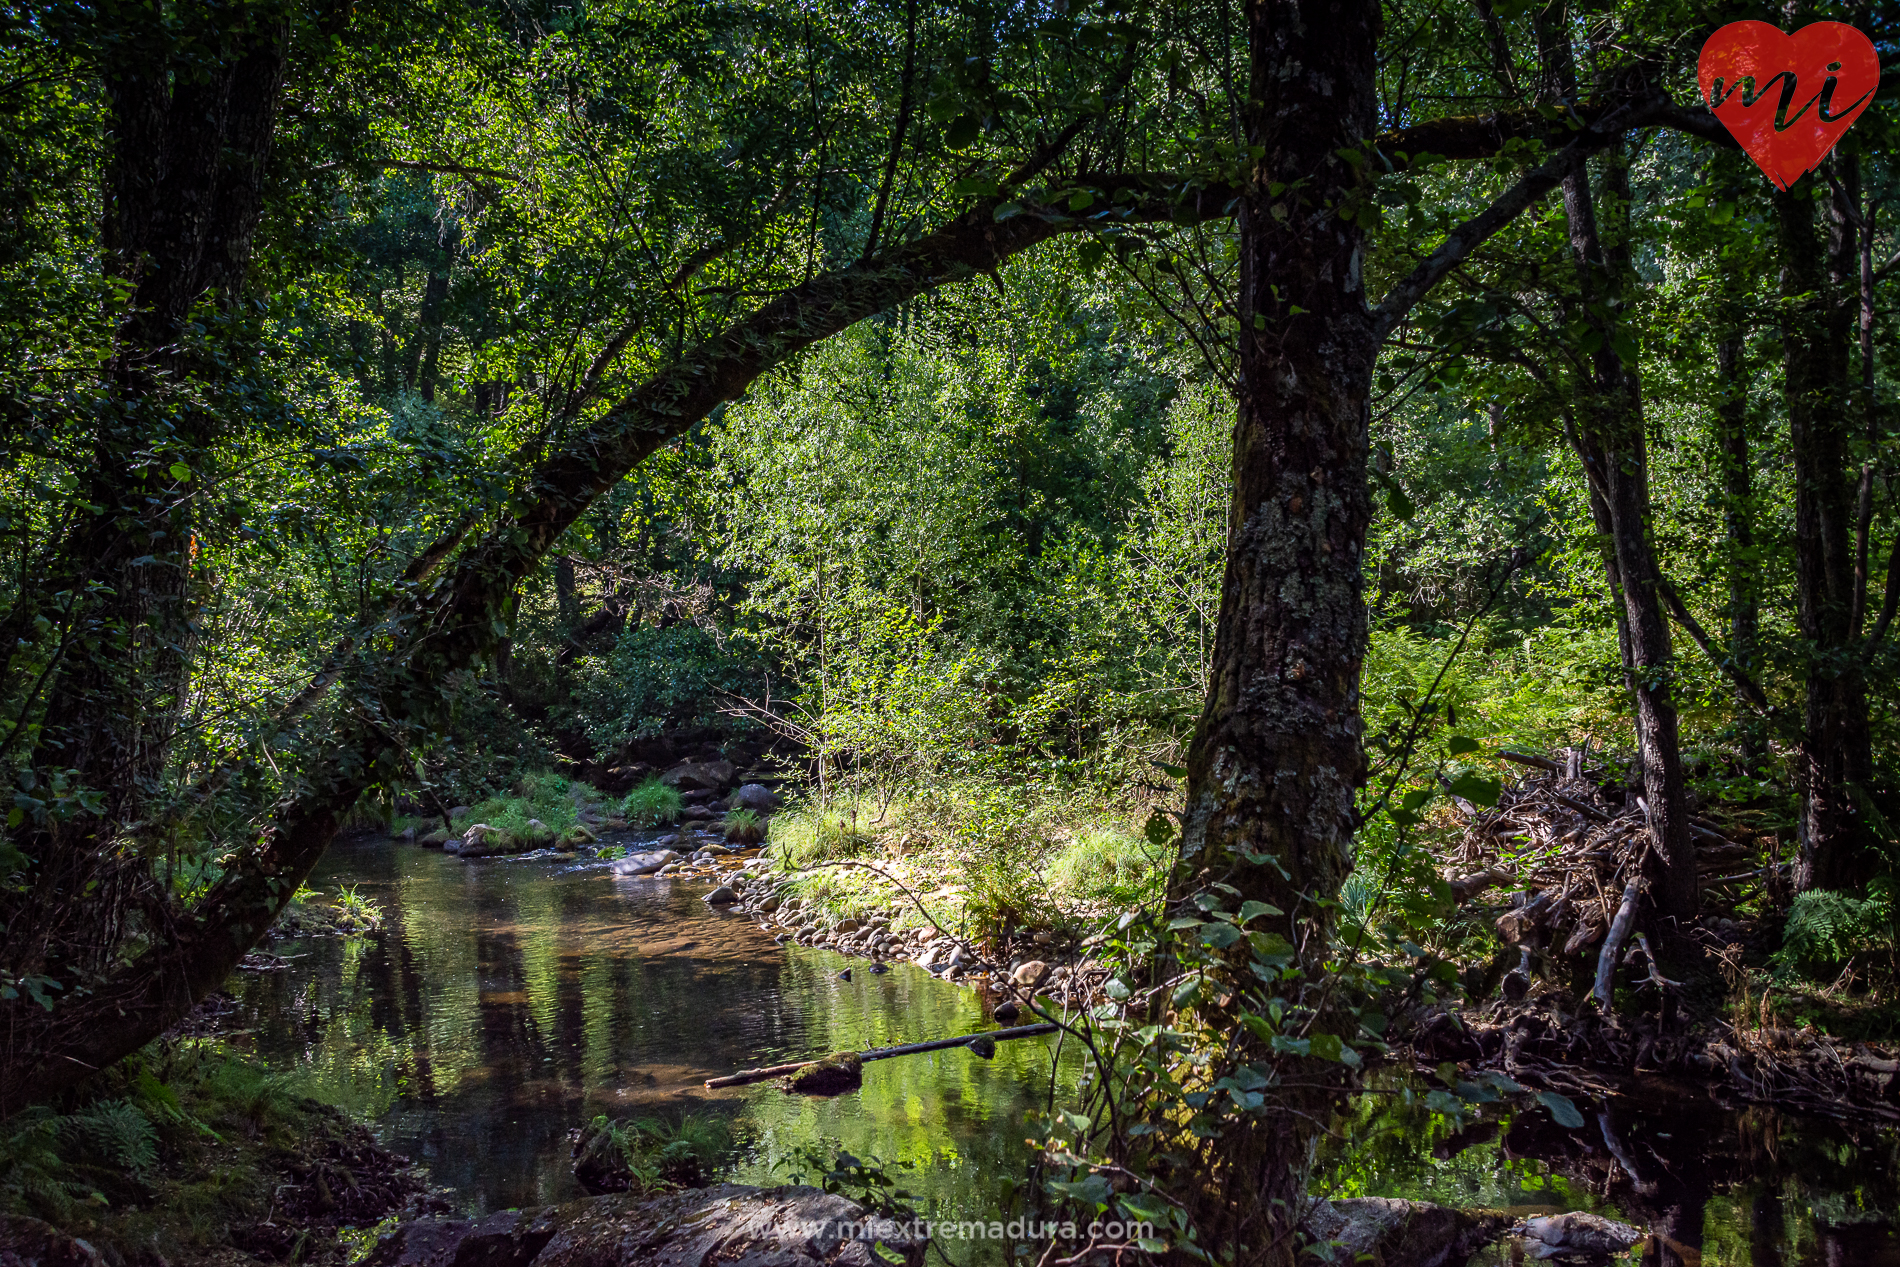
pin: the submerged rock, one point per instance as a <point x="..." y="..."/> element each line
<point x="1389" y="1232"/>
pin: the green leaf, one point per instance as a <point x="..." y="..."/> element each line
<point x="1172" y="771"/>
<point x="1562" y="1109"/>
<point x="1459" y="745"/>
<point x="1219" y="936"/>
<point x="180" y="472"/>
<point x="1251" y="910"/>
<point x="1479" y="789"/>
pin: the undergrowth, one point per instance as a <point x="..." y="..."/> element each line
<point x="552" y="799"/>
<point x="173" y="1150"/>
<point x="984" y="858"/>
<point x="652" y="1155"/>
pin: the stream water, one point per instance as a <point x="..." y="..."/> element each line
<point x="505" y="1002"/>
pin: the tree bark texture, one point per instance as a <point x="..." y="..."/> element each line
<point x="1835" y="754"/>
<point x="1277" y="756"/>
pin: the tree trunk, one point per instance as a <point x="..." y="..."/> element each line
<point x="426" y="352"/>
<point x="1835" y="755"/>
<point x="1277" y="756"/>
<point x="1615" y="456"/>
<point x="1738" y="518"/>
<point x="184" y="198"/>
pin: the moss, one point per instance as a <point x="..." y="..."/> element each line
<point x="837" y="1073"/>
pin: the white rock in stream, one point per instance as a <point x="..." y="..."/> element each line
<point x="643" y="863"/>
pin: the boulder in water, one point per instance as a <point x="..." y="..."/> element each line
<point x="1389" y="1232"/>
<point x="483" y="841"/>
<point x="756" y="797"/>
<point x="644" y="863"/>
<point x="1577" y="1234"/>
<point x="721" y="896"/>
<point x="693" y="776"/>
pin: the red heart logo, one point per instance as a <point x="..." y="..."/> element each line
<point x="1788" y="98"/>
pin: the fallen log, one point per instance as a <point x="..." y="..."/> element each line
<point x="973" y="1041"/>
<point x="1525" y="758"/>
<point x="1613" y="946"/>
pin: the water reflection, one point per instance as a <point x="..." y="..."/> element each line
<point x="507" y="1001"/>
<point x="1715" y="1185"/>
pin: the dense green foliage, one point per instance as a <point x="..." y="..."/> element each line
<point x="408" y="407"/>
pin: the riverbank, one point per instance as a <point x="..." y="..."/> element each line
<point x="187" y="1153"/>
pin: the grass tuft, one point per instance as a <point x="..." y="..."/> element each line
<point x="652" y="804"/>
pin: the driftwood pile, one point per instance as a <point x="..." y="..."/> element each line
<point x="1568" y="846"/>
<point x="1575" y="858"/>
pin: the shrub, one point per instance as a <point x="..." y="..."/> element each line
<point x="651" y="804"/>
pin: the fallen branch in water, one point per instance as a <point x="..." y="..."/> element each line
<point x="884" y="1053"/>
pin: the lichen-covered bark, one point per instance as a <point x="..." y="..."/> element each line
<point x="1278" y="754"/>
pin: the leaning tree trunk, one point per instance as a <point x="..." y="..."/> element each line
<point x="1616" y="459"/>
<point x="1835" y="755"/>
<point x="1277" y="756"/>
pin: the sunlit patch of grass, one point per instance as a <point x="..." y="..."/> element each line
<point x="545" y="798"/>
<point x="981" y="857"/>
<point x="652" y="804"/>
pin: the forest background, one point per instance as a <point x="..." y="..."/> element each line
<point x="403" y="400"/>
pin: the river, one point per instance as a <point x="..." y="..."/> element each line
<point x="506" y="1002"/>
